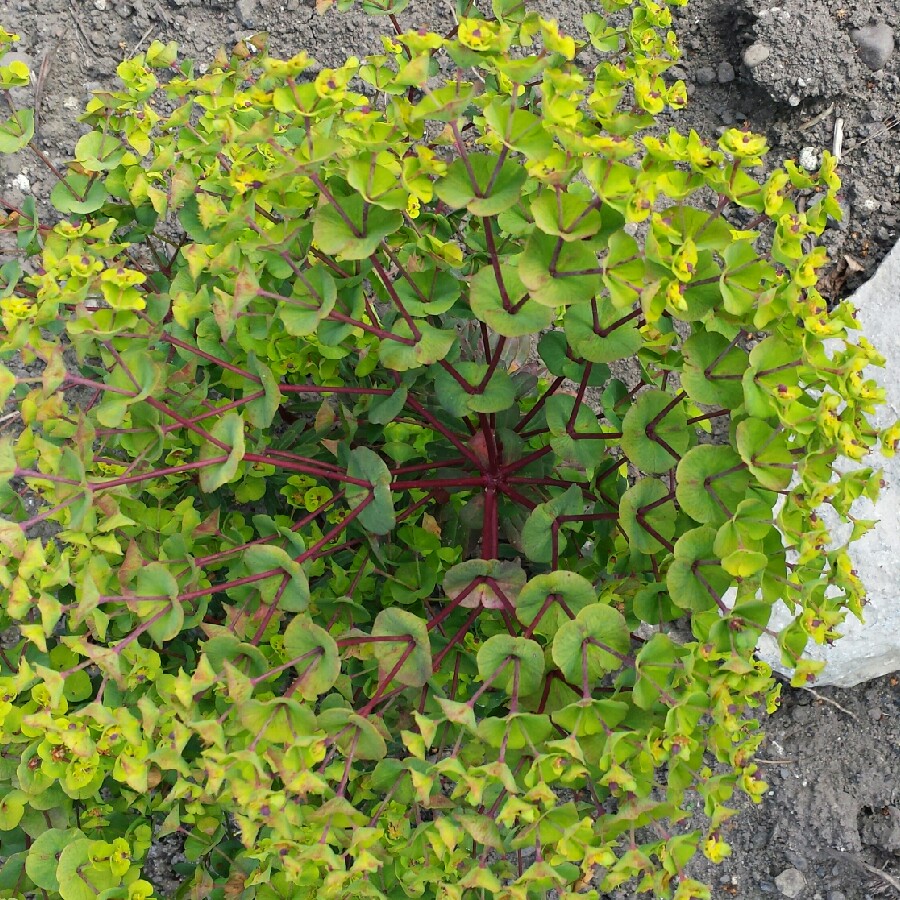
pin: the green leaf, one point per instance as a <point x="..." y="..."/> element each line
<point x="378" y="516"/>
<point x="229" y="429"/>
<point x="490" y="193"/>
<point x="261" y="558"/>
<point x="553" y="348"/>
<point x="416" y="669"/>
<point x="318" y="662"/>
<point x="312" y="300"/>
<point x="655" y="433"/>
<point x="79" y="877"/>
<point x="766" y="452"/>
<point x="644" y="518"/>
<point x="17" y="131"/>
<point x="355" y="230"/>
<point x="12" y="872"/>
<point x="79" y="194"/>
<point x="567" y="215"/>
<point x="362" y="735"/>
<point x="430" y="292"/>
<point x="432" y="345"/>
<point x="488" y="583"/>
<point x="713" y="370"/>
<point x="518" y="128"/>
<point x="519" y="316"/>
<point x="695" y="579"/>
<point x="261" y="412"/>
<point x="711" y="480"/>
<point x="511" y="654"/>
<point x="554" y="596"/>
<point x="98" y="152"/>
<point x="741" y="554"/>
<point x="498" y="394"/>
<point x="744" y="278"/>
<point x="278" y="720"/>
<point x="601" y="333"/>
<point x="545" y="269"/>
<point x="155" y="580"/>
<point x="12" y="808"/>
<point x="624" y="271"/>
<point x="385" y="409"/>
<point x="539" y="528"/>
<point x="44" y="854"/>
<point x="654" y="666"/>
<point x="593" y="642"/>
<point x="7" y="460"/>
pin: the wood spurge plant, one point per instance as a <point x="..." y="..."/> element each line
<point x="402" y="461"/>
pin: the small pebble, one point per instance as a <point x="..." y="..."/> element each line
<point x="100" y="5"/>
<point x="725" y="72"/>
<point x="21" y="183"/>
<point x="876" y="713"/>
<point x="875" y="44"/>
<point x="756" y="54"/>
<point x="704" y="75"/>
<point x="794" y="100"/>
<point x="809" y="159"/>
<point x="790" y="883"/>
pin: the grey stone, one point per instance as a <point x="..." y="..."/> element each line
<point x="756" y="54"/>
<point x="875" y="44"/>
<point x="246" y="11"/>
<point x="725" y="72"/>
<point x="837" y="895"/>
<point x="704" y="75"/>
<point x="790" y="883"/>
<point x="870" y="649"/>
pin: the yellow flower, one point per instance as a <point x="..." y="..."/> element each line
<point x="506" y="85"/>
<point x="477" y="34"/>
<point x="715" y="849"/>
<point x="890" y="440"/>
<point x="413" y="206"/>
<point x="330" y="85"/>
<point x="17" y="308"/>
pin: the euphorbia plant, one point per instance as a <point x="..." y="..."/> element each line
<point x="367" y="574"/>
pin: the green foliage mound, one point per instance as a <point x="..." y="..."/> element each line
<point x="362" y="520"/>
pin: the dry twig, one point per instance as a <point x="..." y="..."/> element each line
<point x="816" y="119"/>
<point x="40" y="83"/>
<point x="831" y="702"/>
<point x="889" y="124"/>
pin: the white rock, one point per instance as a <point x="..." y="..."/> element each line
<point x="809" y="159"/>
<point x="22" y="183"/>
<point x="871" y="649"/>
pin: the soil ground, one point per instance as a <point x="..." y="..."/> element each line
<point x="829" y="828"/>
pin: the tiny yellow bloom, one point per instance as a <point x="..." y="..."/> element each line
<point x="413" y="206"/>
<point x="715" y="849"/>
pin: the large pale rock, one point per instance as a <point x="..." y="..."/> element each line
<point x="871" y="649"/>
